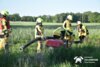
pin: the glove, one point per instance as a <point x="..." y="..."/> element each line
<point x="5" y="31"/>
<point x="9" y="30"/>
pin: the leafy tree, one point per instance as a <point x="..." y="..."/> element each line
<point x="59" y="18"/>
<point x="15" y="17"/>
<point x="27" y="18"/>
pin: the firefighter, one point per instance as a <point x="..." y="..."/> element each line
<point x="57" y="33"/>
<point x="67" y="25"/>
<point x="4" y="30"/>
<point x="82" y="31"/>
<point x="67" y="33"/>
<point x="39" y="33"/>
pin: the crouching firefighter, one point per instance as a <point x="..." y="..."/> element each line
<point x="67" y="32"/>
<point x="39" y="33"/>
<point x="60" y="34"/>
<point x="57" y="33"/>
<point x="82" y="31"/>
<point x="4" y="30"/>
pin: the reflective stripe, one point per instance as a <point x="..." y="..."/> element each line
<point x="0" y="31"/>
<point x="36" y="36"/>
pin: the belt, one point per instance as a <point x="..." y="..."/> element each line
<point x="2" y="36"/>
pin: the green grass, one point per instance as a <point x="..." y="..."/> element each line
<point x="60" y="57"/>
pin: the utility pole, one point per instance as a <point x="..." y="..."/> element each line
<point x="82" y="17"/>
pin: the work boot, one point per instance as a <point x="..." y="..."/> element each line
<point x="39" y="51"/>
<point x="6" y="48"/>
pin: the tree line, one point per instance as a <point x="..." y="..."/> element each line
<point x="88" y="17"/>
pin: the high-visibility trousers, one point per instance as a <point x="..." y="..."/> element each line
<point x="3" y="42"/>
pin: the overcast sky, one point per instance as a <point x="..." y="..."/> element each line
<point x="48" y="7"/>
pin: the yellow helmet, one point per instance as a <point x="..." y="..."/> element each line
<point x="39" y="20"/>
<point x="70" y="17"/>
<point x="5" y="13"/>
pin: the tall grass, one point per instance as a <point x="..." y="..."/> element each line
<point x="59" y="57"/>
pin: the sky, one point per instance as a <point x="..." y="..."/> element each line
<point x="48" y="7"/>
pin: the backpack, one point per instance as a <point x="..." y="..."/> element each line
<point x="87" y="32"/>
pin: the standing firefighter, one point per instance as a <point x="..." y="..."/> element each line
<point x="82" y="31"/>
<point x="39" y="33"/>
<point x="67" y="33"/>
<point x="4" y="30"/>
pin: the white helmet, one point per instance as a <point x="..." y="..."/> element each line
<point x="5" y="13"/>
<point x="79" y="22"/>
<point x="70" y="17"/>
<point x="39" y="20"/>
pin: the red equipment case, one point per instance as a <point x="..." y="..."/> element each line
<point x="54" y="43"/>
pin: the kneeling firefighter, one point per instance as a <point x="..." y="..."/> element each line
<point x="4" y="30"/>
<point x="39" y="33"/>
<point x="61" y="34"/>
<point x="82" y="31"/>
<point x="57" y="33"/>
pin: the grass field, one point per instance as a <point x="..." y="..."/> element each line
<point x="45" y="23"/>
<point x="60" y="57"/>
